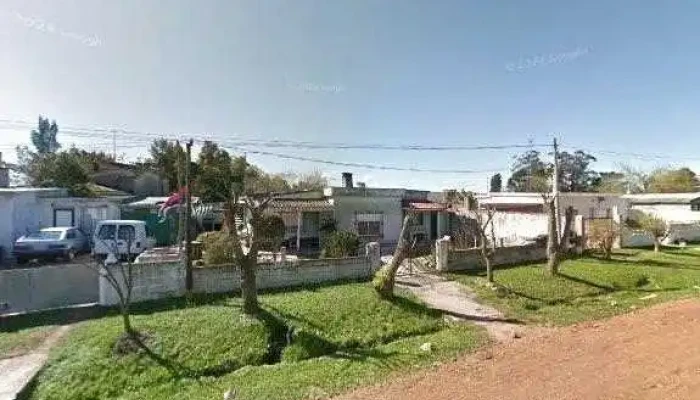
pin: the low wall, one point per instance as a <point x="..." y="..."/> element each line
<point x="470" y="259"/>
<point x="32" y="289"/>
<point x="157" y="281"/>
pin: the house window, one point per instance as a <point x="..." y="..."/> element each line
<point x="695" y="206"/>
<point x="369" y="225"/>
<point x="608" y="213"/>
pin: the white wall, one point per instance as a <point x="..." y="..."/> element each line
<point x="670" y="212"/>
<point x="390" y="207"/>
<point x="79" y="206"/>
<point x="514" y="227"/>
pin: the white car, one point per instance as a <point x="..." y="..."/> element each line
<point x="123" y="238"/>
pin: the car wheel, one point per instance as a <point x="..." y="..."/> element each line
<point x="70" y="255"/>
<point x="22" y="260"/>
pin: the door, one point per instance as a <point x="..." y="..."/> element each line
<point x="126" y="239"/>
<point x="433" y="225"/>
<point x="63" y="217"/>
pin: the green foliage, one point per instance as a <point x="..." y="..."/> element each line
<point x="44" y="138"/>
<point x="681" y="180"/>
<point x="496" y="183"/>
<point x="270" y="231"/>
<point x="602" y="234"/>
<point x="212" y="342"/>
<point x="165" y="156"/>
<point x="656" y="226"/>
<point x="314" y="180"/>
<point x="217" y="248"/>
<point x="591" y="288"/>
<point x="213" y="184"/>
<point x="531" y="174"/>
<point x="341" y="244"/>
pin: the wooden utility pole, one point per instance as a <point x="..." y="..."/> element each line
<point x="188" y="217"/>
<point x="555" y="190"/>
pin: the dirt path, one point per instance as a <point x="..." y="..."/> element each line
<point x="650" y="354"/>
<point x="16" y="372"/>
<point x="458" y="302"/>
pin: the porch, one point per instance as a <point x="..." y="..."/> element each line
<point x="304" y="222"/>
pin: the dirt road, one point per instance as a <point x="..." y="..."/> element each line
<point x="650" y="354"/>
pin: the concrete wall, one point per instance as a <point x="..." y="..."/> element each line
<point x="80" y="206"/>
<point x="670" y="212"/>
<point x="470" y="259"/>
<point x="516" y="227"/>
<point x="42" y="288"/>
<point x="390" y="207"/>
<point x="157" y="281"/>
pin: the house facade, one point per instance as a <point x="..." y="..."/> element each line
<point x="681" y="211"/>
<point x="23" y="210"/>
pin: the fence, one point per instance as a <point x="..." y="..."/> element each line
<point x="157" y="281"/>
<point x="470" y="259"/>
<point x="30" y="289"/>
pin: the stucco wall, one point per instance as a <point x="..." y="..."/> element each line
<point x="670" y="212"/>
<point x="150" y="282"/>
<point x="79" y="206"/>
<point x="470" y="259"/>
<point x="390" y="207"/>
<point x="42" y="288"/>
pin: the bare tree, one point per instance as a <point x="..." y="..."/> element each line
<point x="385" y="278"/>
<point x="484" y="219"/>
<point x="655" y="226"/>
<point x="602" y="234"/>
<point x="557" y="242"/>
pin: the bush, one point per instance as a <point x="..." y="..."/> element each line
<point x="270" y="232"/>
<point x="217" y="248"/>
<point x="341" y="244"/>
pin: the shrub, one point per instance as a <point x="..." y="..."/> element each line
<point x="270" y="231"/>
<point x="341" y="244"/>
<point x="602" y="234"/>
<point x="217" y="248"/>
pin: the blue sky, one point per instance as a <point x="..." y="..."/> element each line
<point x="611" y="76"/>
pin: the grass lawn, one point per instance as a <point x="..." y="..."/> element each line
<point x="590" y="288"/>
<point x="344" y="336"/>
<point x="20" y="342"/>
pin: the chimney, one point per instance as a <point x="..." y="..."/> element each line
<point x="4" y="174"/>
<point x="347" y="180"/>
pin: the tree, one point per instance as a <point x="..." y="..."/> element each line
<point x="496" y="183"/>
<point x="483" y="220"/>
<point x="611" y="182"/>
<point x="340" y="244"/>
<point x="575" y="174"/>
<point x="44" y="138"/>
<point x="557" y="242"/>
<point x="164" y="157"/>
<point x="682" y="180"/>
<point x="655" y="226"/>
<point x="602" y="234"/>
<point x="313" y="180"/>
<point x="385" y="278"/>
<point x="249" y="193"/>
<point x="528" y="167"/>
<point x="215" y="173"/>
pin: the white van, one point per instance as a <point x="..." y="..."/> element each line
<point x="114" y="236"/>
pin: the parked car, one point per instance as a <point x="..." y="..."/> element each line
<point x="51" y="243"/>
<point x="123" y="238"/>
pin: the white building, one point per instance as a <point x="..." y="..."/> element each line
<point x="681" y="211"/>
<point x="23" y="210"/>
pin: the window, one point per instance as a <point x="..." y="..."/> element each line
<point x="126" y="233"/>
<point x="63" y="217"/>
<point x="107" y="232"/>
<point x="608" y="213"/>
<point x="71" y="235"/>
<point x="369" y="225"/>
<point x="695" y="206"/>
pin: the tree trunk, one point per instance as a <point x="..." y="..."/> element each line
<point x="249" y="291"/>
<point x="386" y="276"/>
<point x="126" y="319"/>
<point x="657" y="245"/>
<point x="487" y="263"/>
<point x="552" y="253"/>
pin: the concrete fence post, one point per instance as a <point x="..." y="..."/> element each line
<point x="442" y="250"/>
<point x="578" y="230"/>
<point x="373" y="254"/>
<point x="283" y="255"/>
<point x="617" y="221"/>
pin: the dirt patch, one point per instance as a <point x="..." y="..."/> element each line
<point x="650" y="354"/>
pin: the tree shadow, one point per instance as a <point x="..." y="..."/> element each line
<point x="603" y="288"/>
<point x="478" y="318"/>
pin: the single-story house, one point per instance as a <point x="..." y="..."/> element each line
<point x="374" y="214"/>
<point x="681" y="211"/>
<point x="26" y="209"/>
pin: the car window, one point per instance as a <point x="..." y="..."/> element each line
<point x="45" y="235"/>
<point x="107" y="232"/>
<point x="71" y="235"/>
<point x="127" y="232"/>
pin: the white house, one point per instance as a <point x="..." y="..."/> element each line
<point x="681" y="211"/>
<point x="23" y="210"/>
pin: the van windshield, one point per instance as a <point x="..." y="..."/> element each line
<point x="107" y="232"/>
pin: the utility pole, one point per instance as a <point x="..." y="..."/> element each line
<point x="188" y="217"/>
<point x="114" y="144"/>
<point x="180" y="185"/>
<point x="555" y="189"/>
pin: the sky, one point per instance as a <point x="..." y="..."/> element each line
<point x="617" y="79"/>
